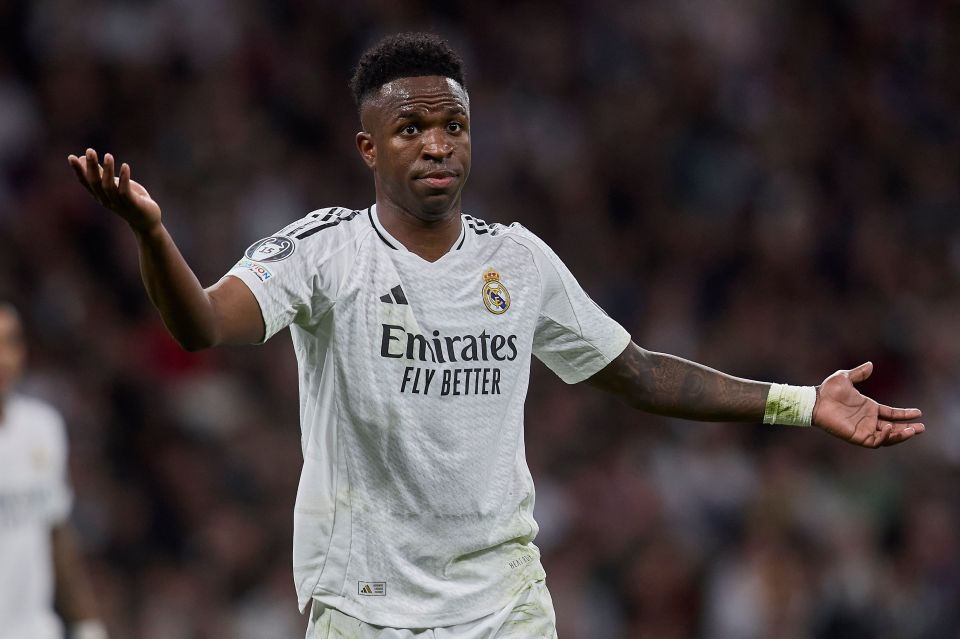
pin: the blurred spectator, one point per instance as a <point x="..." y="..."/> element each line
<point x="40" y="566"/>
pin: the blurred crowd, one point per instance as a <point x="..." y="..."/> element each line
<point x="770" y="188"/>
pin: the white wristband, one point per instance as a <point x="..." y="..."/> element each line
<point x="88" y="629"/>
<point x="790" y="405"/>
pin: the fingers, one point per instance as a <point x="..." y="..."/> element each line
<point x="897" y="414"/>
<point x="889" y="434"/>
<point x="903" y="432"/>
<point x="124" y="185"/>
<point x="93" y="174"/>
<point x="873" y="432"/>
<point x="107" y="182"/>
<point x="101" y="182"/>
<point x="860" y="373"/>
<point x="79" y="167"/>
<point x="878" y="436"/>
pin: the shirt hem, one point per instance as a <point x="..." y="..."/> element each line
<point x="251" y="281"/>
<point x="357" y="610"/>
<point x="598" y="364"/>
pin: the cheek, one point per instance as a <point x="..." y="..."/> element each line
<point x="396" y="157"/>
<point x="11" y="358"/>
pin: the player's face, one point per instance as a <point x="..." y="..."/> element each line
<point x="12" y="350"/>
<point x="417" y="141"/>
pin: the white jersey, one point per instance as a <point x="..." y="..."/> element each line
<point x="415" y="505"/>
<point x="34" y="496"/>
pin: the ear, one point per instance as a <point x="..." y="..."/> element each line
<point x="368" y="151"/>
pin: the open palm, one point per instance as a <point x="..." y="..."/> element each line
<point x="120" y="194"/>
<point x="844" y="412"/>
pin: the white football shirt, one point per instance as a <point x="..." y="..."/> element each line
<point x="34" y="496"/>
<point x="415" y="505"/>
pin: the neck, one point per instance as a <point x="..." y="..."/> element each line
<point x="428" y="238"/>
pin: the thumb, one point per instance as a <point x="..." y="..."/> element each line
<point x="860" y="373"/>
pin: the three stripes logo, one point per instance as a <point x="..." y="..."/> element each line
<point x="316" y="222"/>
<point x="398" y="296"/>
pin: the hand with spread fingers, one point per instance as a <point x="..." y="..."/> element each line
<point x="122" y="195"/>
<point x="844" y="412"/>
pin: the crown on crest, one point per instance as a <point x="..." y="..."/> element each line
<point x="491" y="275"/>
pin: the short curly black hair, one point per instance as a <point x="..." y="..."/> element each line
<point x="404" y="55"/>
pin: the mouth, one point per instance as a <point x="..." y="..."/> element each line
<point x="438" y="179"/>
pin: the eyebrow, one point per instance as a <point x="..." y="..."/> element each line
<point x="412" y="110"/>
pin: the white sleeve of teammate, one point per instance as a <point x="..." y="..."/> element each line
<point x="61" y="493"/>
<point x="574" y="337"/>
<point x="295" y="281"/>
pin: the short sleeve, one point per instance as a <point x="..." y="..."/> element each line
<point x="295" y="274"/>
<point x="574" y="337"/>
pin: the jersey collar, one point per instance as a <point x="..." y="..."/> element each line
<point x="395" y="244"/>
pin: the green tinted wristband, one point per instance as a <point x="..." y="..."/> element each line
<point x="790" y="405"/>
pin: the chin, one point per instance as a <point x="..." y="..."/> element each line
<point x="435" y="207"/>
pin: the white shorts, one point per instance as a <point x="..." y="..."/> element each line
<point x="529" y="615"/>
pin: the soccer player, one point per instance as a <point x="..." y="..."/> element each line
<point x="413" y="325"/>
<point x="39" y="561"/>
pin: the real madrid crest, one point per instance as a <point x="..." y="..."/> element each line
<point x="495" y="295"/>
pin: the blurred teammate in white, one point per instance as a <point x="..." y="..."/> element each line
<point x="39" y="561"/>
<point x="413" y="325"/>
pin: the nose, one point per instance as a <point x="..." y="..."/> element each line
<point x="436" y="145"/>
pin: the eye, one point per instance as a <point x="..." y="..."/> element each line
<point x="454" y="127"/>
<point x="410" y="129"/>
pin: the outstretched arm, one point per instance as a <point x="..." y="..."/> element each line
<point x="226" y="313"/>
<point x="669" y="385"/>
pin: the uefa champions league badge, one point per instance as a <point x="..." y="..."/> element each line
<point x="271" y="249"/>
<point x="494" y="293"/>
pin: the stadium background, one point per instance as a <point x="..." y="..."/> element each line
<point x="768" y="188"/>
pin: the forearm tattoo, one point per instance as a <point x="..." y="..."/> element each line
<point x="669" y="385"/>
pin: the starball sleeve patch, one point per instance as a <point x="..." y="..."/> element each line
<point x="271" y="249"/>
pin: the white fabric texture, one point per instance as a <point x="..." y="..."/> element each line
<point x="529" y="615"/>
<point x="34" y="496"/>
<point x="415" y="505"/>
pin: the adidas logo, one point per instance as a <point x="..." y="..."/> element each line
<point x="398" y="296"/>
<point x="372" y="588"/>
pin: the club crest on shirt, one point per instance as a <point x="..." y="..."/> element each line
<point x="271" y="249"/>
<point x="494" y="293"/>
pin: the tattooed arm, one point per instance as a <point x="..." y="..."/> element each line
<point x="668" y="385"/>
